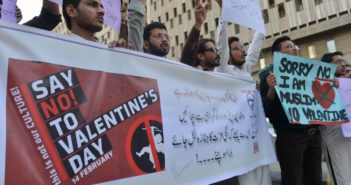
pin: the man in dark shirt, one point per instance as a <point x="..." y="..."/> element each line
<point x="48" y="19"/>
<point x="298" y="147"/>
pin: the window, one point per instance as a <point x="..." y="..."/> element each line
<point x="159" y="18"/>
<point x="181" y="47"/>
<point x="167" y="16"/>
<point x="189" y="15"/>
<point x="185" y="36"/>
<point x="184" y="7"/>
<point x="173" y="54"/>
<point x="299" y="5"/>
<point x="281" y="10"/>
<point x="206" y="28"/>
<point x="155" y="5"/>
<point x="265" y="16"/>
<point x="171" y="23"/>
<point x="180" y="19"/>
<point x="271" y="3"/>
<point x="312" y="51"/>
<point x="176" y="40"/>
<point x="331" y="46"/>
<point x="162" y="2"/>
<point x="175" y="12"/>
<point x="236" y="28"/>
<point x="212" y="35"/>
<point x="318" y="2"/>
<point x="216" y="21"/>
<point x="262" y="63"/>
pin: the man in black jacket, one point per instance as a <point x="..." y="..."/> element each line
<point x="298" y="147"/>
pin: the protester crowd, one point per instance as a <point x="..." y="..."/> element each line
<point x="298" y="147"/>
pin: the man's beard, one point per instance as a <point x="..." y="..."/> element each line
<point x="91" y="27"/>
<point x="212" y="64"/>
<point x="236" y="63"/>
<point x="156" y="51"/>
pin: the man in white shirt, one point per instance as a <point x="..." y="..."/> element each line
<point x="241" y="66"/>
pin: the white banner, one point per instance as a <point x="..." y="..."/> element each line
<point x="244" y="12"/>
<point x="76" y="112"/>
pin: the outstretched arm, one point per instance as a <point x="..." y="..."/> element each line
<point x="254" y="51"/>
<point x="222" y="44"/>
<point x="188" y="54"/>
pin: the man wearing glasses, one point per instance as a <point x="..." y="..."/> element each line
<point x="298" y="147"/>
<point x="336" y="147"/>
<point x="156" y="39"/>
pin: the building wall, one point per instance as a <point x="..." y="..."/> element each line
<point x="310" y="23"/>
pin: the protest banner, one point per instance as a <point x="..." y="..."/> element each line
<point x="77" y="112"/>
<point x="306" y="91"/>
<point x="345" y="92"/>
<point x="244" y="12"/>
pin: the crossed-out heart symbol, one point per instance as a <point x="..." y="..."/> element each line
<point x="324" y="94"/>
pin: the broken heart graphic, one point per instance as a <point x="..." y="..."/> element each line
<point x="324" y="94"/>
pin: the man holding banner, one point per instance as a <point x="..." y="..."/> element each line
<point x="298" y="146"/>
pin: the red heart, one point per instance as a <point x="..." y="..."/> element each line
<point x="324" y="94"/>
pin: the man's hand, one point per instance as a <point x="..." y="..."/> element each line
<point x="271" y="81"/>
<point x="200" y="14"/>
<point x="121" y="43"/>
<point x="52" y="7"/>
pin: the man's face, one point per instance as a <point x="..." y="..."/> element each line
<point x="158" y="43"/>
<point x="340" y="65"/>
<point x="211" y="55"/>
<point x="90" y="15"/>
<point x="347" y="72"/>
<point x="237" y="53"/>
<point x="18" y="13"/>
<point x="288" y="47"/>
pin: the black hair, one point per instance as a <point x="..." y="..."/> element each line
<point x="150" y="27"/>
<point x="201" y="48"/>
<point x="65" y="3"/>
<point x="232" y="39"/>
<point x="328" y="57"/>
<point x="277" y="44"/>
<point x="201" y="45"/>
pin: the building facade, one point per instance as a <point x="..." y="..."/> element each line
<point x="316" y="26"/>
